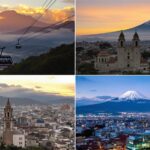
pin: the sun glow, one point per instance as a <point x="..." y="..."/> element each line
<point x="61" y="85"/>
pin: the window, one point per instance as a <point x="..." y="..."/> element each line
<point x="20" y="138"/>
<point x="128" y="65"/>
<point x="128" y="57"/>
<point x="136" y="43"/>
<point x="121" y="43"/>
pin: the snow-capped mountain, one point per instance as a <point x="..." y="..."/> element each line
<point x="130" y="101"/>
<point x="132" y="95"/>
<point x="84" y="101"/>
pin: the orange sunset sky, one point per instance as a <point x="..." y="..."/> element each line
<point x="101" y="16"/>
<point x="60" y="10"/>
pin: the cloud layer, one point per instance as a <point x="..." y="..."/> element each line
<point x="48" y="16"/>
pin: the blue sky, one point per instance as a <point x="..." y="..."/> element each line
<point x="91" y="86"/>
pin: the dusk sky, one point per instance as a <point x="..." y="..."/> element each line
<point x="92" y="86"/>
<point x="60" y="10"/>
<point x="101" y="16"/>
<point x="37" y="86"/>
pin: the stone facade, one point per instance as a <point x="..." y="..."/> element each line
<point x="128" y="57"/>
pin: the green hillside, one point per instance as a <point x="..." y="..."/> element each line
<point x="59" y="60"/>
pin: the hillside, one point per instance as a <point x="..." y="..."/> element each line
<point x="59" y="60"/>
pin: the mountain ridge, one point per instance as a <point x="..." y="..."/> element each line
<point x="129" y="101"/>
<point x="11" y="21"/>
<point x="143" y="30"/>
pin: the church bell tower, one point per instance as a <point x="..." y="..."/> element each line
<point x="8" y="124"/>
<point x="136" y="40"/>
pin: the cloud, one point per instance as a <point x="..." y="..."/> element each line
<point x="68" y="1"/>
<point x="48" y="16"/>
<point x="19" y="91"/>
<point x="93" y="90"/>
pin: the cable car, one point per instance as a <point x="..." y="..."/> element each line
<point x="18" y="46"/>
<point x="5" y="60"/>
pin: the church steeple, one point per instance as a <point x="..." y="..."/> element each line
<point x="8" y="124"/>
<point x="121" y="39"/>
<point x="8" y="116"/>
<point x="136" y="39"/>
<point x="8" y="102"/>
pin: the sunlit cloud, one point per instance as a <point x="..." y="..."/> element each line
<point x="48" y="16"/>
<point x="58" y="85"/>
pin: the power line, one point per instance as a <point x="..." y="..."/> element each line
<point x="50" y="26"/>
<point x="50" y="3"/>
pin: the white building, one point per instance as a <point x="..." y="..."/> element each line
<point x="40" y="123"/>
<point x="128" y="57"/>
<point x="19" y="140"/>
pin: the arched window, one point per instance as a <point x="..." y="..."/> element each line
<point x="136" y="43"/>
<point x="121" y="43"/>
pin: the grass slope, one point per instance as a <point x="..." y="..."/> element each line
<point x="59" y="60"/>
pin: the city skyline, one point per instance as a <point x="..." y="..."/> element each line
<point x="96" y="16"/>
<point x="90" y="86"/>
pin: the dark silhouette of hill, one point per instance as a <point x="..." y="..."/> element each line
<point x="59" y="60"/>
<point x="45" y="29"/>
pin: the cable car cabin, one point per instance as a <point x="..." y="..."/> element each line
<point x="5" y="61"/>
<point x="18" y="46"/>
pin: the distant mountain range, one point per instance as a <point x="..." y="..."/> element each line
<point x="19" y="101"/>
<point x="142" y="29"/>
<point x="48" y="28"/>
<point x="28" y="101"/>
<point x="130" y="101"/>
<point x="15" y="23"/>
